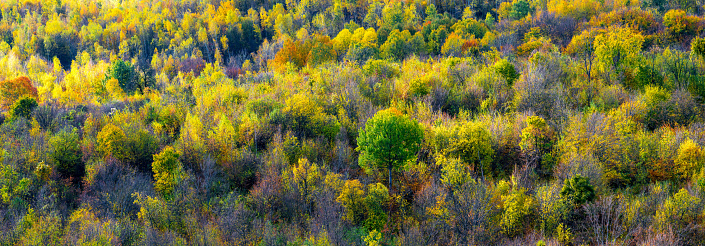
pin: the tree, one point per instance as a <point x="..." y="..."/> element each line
<point x="472" y="143"/>
<point x="507" y="70"/>
<point x="13" y="89"/>
<point x="66" y="154"/>
<point x="537" y="140"/>
<point x="23" y="107"/>
<point x="577" y="191"/>
<point x="517" y="208"/>
<point x="296" y="53"/>
<point x="582" y="47"/>
<point x="351" y="198"/>
<point x="390" y="139"/>
<point x="453" y="45"/>
<point x="322" y="51"/>
<point x="377" y="195"/>
<point x="111" y="140"/>
<point x="697" y="46"/>
<point x="167" y="171"/>
<point x="617" y="51"/>
<point x="125" y="74"/>
<point x="681" y="26"/>
<point x="307" y="119"/>
<point x="305" y="177"/>
<point x="395" y="46"/>
<point x="679" y="211"/>
<point x="520" y="8"/>
<point x="690" y="159"/>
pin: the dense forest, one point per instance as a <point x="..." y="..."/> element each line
<point x="352" y="122"/>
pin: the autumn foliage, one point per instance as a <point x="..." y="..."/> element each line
<point x="447" y="122"/>
<point x="13" y="89"/>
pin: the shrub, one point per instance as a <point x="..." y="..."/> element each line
<point x="507" y="70"/>
<point x="108" y="189"/>
<point x="306" y="118"/>
<point x="134" y="147"/>
<point x="664" y="109"/>
<point x="679" y="211"/>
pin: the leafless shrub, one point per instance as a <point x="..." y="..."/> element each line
<point x="604" y="221"/>
<point x="109" y="191"/>
<point x="539" y="91"/>
<point x="667" y="238"/>
<point x="584" y="164"/>
<point x="236" y="221"/>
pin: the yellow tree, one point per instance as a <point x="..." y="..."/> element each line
<point x="582" y="48"/>
<point x="617" y="51"/>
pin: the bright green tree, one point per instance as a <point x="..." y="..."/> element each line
<point x="390" y="139"/>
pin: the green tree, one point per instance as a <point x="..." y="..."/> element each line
<point x="389" y="140"/>
<point x="577" y="191"/>
<point x="167" y="171"/>
<point x="23" y="107"/>
<point x="507" y="70"/>
<point x="125" y="74"/>
<point x="395" y="46"/>
<point x="472" y="143"/>
<point x="520" y="9"/>
<point x="66" y="154"/>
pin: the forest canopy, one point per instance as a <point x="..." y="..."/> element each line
<point x="360" y="122"/>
